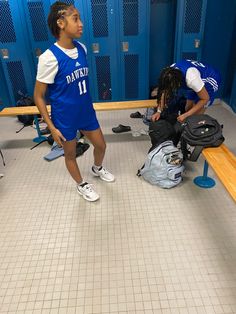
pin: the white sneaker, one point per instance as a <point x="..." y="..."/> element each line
<point x="87" y="192"/>
<point x="104" y="174"/>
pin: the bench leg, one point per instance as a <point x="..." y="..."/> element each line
<point x="204" y="181"/>
<point x="39" y="138"/>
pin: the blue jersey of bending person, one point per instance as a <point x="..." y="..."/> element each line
<point x="209" y="75"/>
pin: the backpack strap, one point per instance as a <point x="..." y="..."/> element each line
<point x="3" y="161"/>
<point x="138" y="174"/>
<point x="195" y="153"/>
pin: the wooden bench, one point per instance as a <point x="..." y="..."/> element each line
<point x="223" y="162"/>
<point x="103" y="106"/>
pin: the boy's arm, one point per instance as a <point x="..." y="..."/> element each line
<point x="160" y="107"/>
<point x="39" y="99"/>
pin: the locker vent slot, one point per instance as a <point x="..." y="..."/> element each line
<point x="38" y="21"/>
<point x="189" y="55"/>
<point x="103" y="77"/>
<point x="69" y="1"/>
<point x="193" y="14"/>
<point x="99" y="18"/>
<point x="131" y="76"/>
<point x="17" y="78"/>
<point x="130" y="17"/>
<point x="7" y="32"/>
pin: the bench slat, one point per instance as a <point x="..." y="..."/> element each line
<point x="116" y="105"/>
<point x="223" y="162"/>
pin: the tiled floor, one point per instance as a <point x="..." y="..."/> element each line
<point x="138" y="250"/>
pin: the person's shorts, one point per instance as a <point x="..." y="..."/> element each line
<point x="70" y="133"/>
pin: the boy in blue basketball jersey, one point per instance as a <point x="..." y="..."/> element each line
<point x="63" y="71"/>
<point x="199" y="81"/>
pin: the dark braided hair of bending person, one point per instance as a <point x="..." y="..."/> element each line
<point x="169" y="82"/>
<point x="57" y="11"/>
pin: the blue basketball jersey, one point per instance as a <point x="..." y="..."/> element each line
<point x="209" y="75"/>
<point x="71" y="103"/>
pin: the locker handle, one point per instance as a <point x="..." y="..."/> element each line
<point x="197" y="43"/>
<point x="95" y="47"/>
<point x="38" y="52"/>
<point x="5" y="53"/>
<point x="125" y="46"/>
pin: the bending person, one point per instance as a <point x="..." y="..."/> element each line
<point x="199" y="81"/>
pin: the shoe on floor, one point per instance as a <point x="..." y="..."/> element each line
<point x="81" y="148"/>
<point x="136" y="115"/>
<point x="104" y="174"/>
<point x="121" y="128"/>
<point x="87" y="191"/>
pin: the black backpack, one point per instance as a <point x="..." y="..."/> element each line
<point x="22" y="102"/>
<point x="199" y="131"/>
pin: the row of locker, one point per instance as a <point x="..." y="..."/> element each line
<point x="116" y="34"/>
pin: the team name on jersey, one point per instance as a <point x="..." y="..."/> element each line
<point x="77" y="74"/>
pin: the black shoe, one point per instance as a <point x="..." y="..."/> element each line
<point x="121" y="128"/>
<point x="136" y="115"/>
<point x="81" y="148"/>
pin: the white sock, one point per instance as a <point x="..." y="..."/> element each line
<point x="97" y="167"/>
<point x="82" y="183"/>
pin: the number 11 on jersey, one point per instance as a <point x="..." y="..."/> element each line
<point x="82" y="87"/>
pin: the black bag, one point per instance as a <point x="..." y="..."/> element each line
<point x="199" y="131"/>
<point x="22" y="102"/>
<point x="161" y="131"/>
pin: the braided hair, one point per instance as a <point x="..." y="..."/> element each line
<point x="169" y="81"/>
<point x="57" y="11"/>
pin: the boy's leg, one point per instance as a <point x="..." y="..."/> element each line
<point x="70" y="160"/>
<point x="97" y="139"/>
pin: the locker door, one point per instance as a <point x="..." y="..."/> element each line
<point x="190" y="22"/>
<point x="133" y="48"/>
<point x="102" y="49"/>
<point x="34" y="13"/>
<point x="15" y="52"/>
<point x="4" y="95"/>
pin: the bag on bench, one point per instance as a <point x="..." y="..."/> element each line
<point x="199" y="131"/>
<point x="24" y="101"/>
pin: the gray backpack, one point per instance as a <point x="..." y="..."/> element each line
<point x="163" y="166"/>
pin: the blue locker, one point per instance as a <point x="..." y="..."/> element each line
<point x="4" y="94"/>
<point x="133" y="48"/>
<point x="118" y="44"/>
<point x="34" y="14"/>
<point x="101" y="46"/>
<point x="190" y="22"/>
<point x="15" y="51"/>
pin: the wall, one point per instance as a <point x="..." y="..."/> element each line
<point x="219" y="47"/>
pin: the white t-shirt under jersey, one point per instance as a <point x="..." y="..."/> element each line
<point x="48" y="65"/>
<point x="193" y="79"/>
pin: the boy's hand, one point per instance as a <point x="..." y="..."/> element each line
<point x="181" y="118"/>
<point x="58" y="137"/>
<point x="155" y="116"/>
